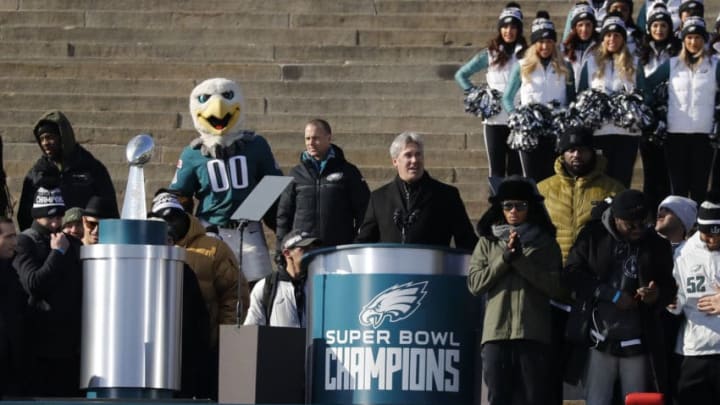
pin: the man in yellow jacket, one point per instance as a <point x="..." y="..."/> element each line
<point x="214" y="264"/>
<point x="578" y="183"/>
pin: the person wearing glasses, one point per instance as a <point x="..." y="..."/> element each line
<point x="516" y="263"/>
<point x="97" y="208"/>
<point x="622" y="269"/>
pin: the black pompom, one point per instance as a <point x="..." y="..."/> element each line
<point x="542" y="14"/>
<point x="512" y="4"/>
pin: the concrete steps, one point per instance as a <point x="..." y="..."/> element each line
<point x="372" y="68"/>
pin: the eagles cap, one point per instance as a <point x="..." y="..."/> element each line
<point x="298" y="238"/>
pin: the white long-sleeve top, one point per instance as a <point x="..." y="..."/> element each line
<point x="697" y="270"/>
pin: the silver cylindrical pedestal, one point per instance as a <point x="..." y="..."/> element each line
<point x="132" y="317"/>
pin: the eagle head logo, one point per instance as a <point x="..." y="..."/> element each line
<point x="394" y="304"/>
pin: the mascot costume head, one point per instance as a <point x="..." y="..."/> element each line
<point x="217" y="107"/>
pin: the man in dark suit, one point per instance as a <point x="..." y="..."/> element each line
<point x="414" y="207"/>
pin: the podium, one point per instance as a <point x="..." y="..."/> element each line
<point x="261" y="365"/>
<point x="390" y="324"/>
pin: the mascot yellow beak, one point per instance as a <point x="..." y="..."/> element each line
<point x="216" y="106"/>
<point x="219" y="115"/>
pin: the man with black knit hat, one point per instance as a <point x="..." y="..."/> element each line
<point x="49" y="269"/>
<point x="698" y="277"/>
<point x="622" y="269"/>
<point x="76" y="171"/>
<point x="579" y="182"/>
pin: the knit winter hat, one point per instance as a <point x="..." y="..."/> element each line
<point x="574" y="137"/>
<point x="47" y="127"/>
<point x="709" y="217"/>
<point x="74" y="214"/>
<point x="659" y="12"/>
<point x="630" y="205"/>
<point x="542" y="28"/>
<point x="683" y="208"/>
<point x="613" y="22"/>
<point x="694" y="25"/>
<point x="693" y="7"/>
<point x="164" y="203"/>
<point x="511" y="14"/>
<point x="582" y="11"/>
<point x="48" y="203"/>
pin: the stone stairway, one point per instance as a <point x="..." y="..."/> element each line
<point x="372" y="68"/>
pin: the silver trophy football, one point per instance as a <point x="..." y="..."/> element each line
<point x="138" y="152"/>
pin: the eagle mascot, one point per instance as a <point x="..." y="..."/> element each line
<point x="221" y="167"/>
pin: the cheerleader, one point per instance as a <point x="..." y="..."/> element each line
<point x="658" y="46"/>
<point x="693" y="78"/>
<point x="612" y="69"/>
<point x="625" y="9"/>
<point x="672" y="6"/>
<point x="499" y="58"/>
<point x="582" y="39"/>
<point x="599" y="8"/>
<point x="715" y="42"/>
<point x="541" y="77"/>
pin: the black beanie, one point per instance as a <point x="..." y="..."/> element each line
<point x="582" y="11"/>
<point x="708" y="214"/>
<point x="613" y="22"/>
<point x="48" y="203"/>
<point x="47" y="127"/>
<point x="692" y="7"/>
<point x="630" y="205"/>
<point x="542" y="28"/>
<point x="511" y="14"/>
<point x="659" y="12"/>
<point x="694" y="25"/>
<point x="574" y="137"/>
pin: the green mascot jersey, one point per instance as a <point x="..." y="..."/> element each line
<point x="221" y="185"/>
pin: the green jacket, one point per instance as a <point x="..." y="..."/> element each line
<point x="569" y="200"/>
<point x="518" y="292"/>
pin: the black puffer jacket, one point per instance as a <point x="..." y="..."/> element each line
<point x="79" y="175"/>
<point x="329" y="205"/>
<point x="53" y="282"/>
<point x="588" y="274"/>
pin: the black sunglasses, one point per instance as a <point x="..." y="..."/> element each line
<point x="518" y="205"/>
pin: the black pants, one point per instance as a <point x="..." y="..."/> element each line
<point x="559" y="357"/>
<point x="502" y="160"/>
<point x="539" y="164"/>
<point x="516" y="368"/>
<point x="620" y="151"/>
<point x="689" y="159"/>
<point x="656" y="181"/>
<point x="699" y="381"/>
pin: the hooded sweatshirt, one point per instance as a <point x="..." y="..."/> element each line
<point x="78" y="174"/>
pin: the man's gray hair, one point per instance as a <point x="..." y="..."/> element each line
<point x="402" y="140"/>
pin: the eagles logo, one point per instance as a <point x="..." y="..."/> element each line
<point x="394" y="304"/>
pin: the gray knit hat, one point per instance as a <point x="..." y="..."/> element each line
<point x="683" y="208"/>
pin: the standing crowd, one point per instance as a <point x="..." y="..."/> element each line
<point x="581" y="287"/>
<point x="586" y="281"/>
